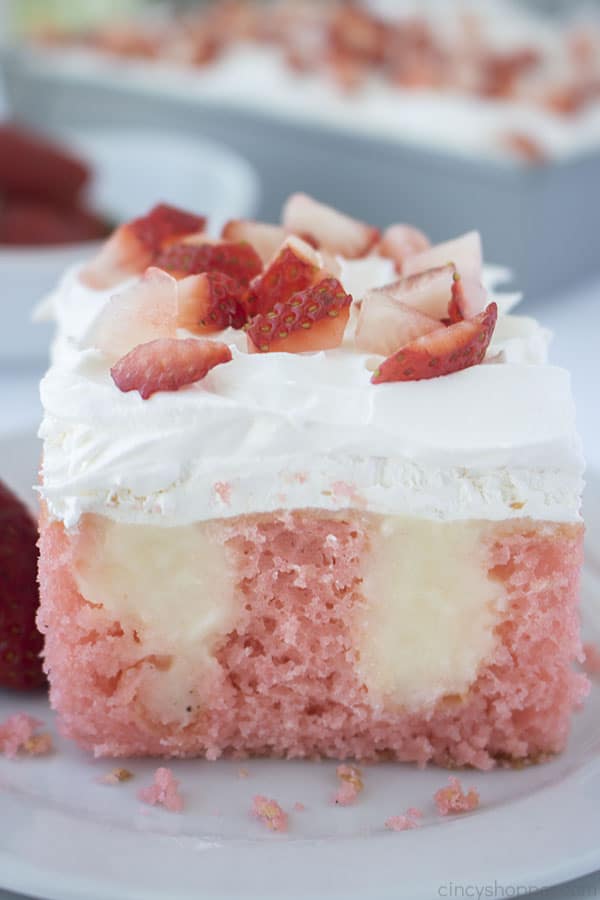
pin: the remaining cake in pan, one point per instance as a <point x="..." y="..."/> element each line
<point x="307" y="490"/>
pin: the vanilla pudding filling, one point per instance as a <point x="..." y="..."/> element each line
<point x="428" y="467"/>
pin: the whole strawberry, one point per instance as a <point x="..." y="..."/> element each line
<point x="20" y="641"/>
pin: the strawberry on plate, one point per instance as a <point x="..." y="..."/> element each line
<point x="238" y="259"/>
<point x="131" y="248"/>
<point x="167" y="364"/>
<point x="313" y="319"/>
<point x="147" y="310"/>
<point x="430" y="291"/>
<point x="328" y="227"/>
<point x="20" y="641"/>
<point x="293" y="269"/>
<point x="400" y="241"/>
<point x="384" y="324"/>
<point x="446" y="350"/>
<point x="463" y="252"/>
<point x="210" y="302"/>
<point x="265" y="239"/>
<point x="34" y="167"/>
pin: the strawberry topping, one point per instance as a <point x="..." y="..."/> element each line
<point x="313" y="319"/>
<point x="429" y="291"/>
<point x="20" y="641"/>
<point x="210" y="302"/>
<point x="384" y="324"/>
<point x="164" y="223"/>
<point x="468" y="298"/>
<point x="167" y="364"/>
<point x="143" y="312"/>
<point x="441" y="352"/>
<point x="237" y="260"/>
<point x="133" y="245"/>
<point x="399" y="242"/>
<point x="328" y="227"/>
<point x="295" y="268"/>
<point x="464" y="252"/>
<point x="266" y="239"/>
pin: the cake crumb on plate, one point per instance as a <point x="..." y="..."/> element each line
<point x="351" y="784"/>
<point x="18" y="733"/>
<point x="452" y="799"/>
<point x="270" y="813"/>
<point x="164" y="791"/>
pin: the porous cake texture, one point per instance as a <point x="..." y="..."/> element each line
<point x="285" y="677"/>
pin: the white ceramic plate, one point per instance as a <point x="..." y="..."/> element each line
<point x="64" y="836"/>
<point x="132" y="170"/>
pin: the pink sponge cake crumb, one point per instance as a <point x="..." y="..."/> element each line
<point x="270" y="813"/>
<point x="405" y="822"/>
<point x="164" y="791"/>
<point x="18" y="733"/>
<point x="452" y="799"/>
<point x="591" y="662"/>
<point x="350" y="787"/>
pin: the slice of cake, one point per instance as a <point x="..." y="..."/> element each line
<point x="306" y="490"/>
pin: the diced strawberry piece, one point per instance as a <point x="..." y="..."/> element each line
<point x="20" y="641"/>
<point x="442" y="352"/>
<point x="384" y="324"/>
<point x="266" y="239"/>
<point x="314" y="319"/>
<point x="429" y="292"/>
<point x="146" y="311"/>
<point x="165" y="223"/>
<point x="469" y="297"/>
<point x="167" y="365"/>
<point x="330" y="228"/>
<point x="210" y="302"/>
<point x="294" y="269"/>
<point x="399" y="242"/>
<point x="464" y="252"/>
<point x="238" y="260"/>
<point x="132" y="246"/>
<point x="31" y="223"/>
<point x="34" y="167"/>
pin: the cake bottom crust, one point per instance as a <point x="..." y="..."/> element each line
<point x="284" y="679"/>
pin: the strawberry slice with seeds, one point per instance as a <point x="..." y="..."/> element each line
<point x="141" y="313"/>
<point x="328" y="227"/>
<point x="384" y="324"/>
<point x="464" y="252"/>
<point x="167" y="365"/>
<point x="293" y="269"/>
<point x="442" y="352"/>
<point x="430" y="292"/>
<point x="399" y="242"/>
<point x="237" y="260"/>
<point x="265" y="239"/>
<point x="20" y="641"/>
<point x="313" y="319"/>
<point x="210" y="302"/>
<point x="132" y="246"/>
<point x="469" y="298"/>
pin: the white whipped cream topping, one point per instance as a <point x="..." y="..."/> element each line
<point x="283" y="431"/>
<point x="280" y="430"/>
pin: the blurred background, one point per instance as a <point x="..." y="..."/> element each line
<point x="447" y="115"/>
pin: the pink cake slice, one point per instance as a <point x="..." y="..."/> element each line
<point x="285" y="556"/>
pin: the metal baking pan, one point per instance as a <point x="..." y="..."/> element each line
<point x="543" y="221"/>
